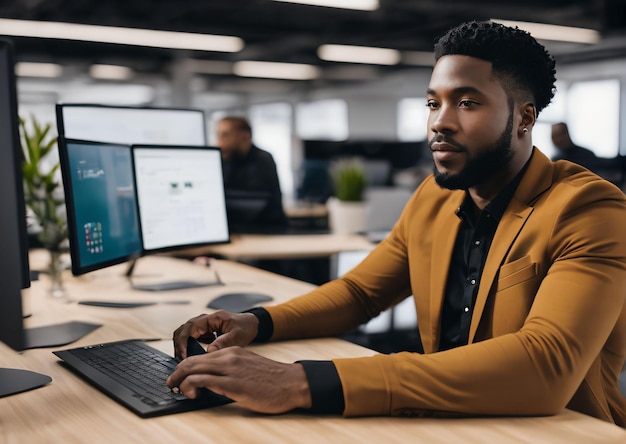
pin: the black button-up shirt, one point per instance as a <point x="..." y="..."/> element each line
<point x="466" y="265"/>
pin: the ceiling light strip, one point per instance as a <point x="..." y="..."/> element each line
<point x="558" y="33"/>
<point x="36" y="69"/>
<point x="359" y="54"/>
<point x="275" y="70"/>
<point x="120" y="36"/>
<point x="360" y="5"/>
<point x="110" y="72"/>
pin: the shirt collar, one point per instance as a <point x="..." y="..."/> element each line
<point x="497" y="206"/>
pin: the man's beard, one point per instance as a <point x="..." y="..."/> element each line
<point x="481" y="167"/>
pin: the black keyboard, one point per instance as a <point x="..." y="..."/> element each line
<point x="134" y="374"/>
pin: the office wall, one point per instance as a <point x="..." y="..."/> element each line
<point x="372" y="104"/>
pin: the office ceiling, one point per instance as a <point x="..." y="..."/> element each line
<point x="285" y="32"/>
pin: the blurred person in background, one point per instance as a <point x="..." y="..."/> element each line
<point x="568" y="150"/>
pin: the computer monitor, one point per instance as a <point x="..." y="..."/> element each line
<point x="245" y="210"/>
<point x="14" y="265"/>
<point x="103" y="224"/>
<point x="124" y="202"/>
<point x="131" y="125"/>
<point x="180" y="196"/>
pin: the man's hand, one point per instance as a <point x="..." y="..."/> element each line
<point x="223" y="329"/>
<point x="255" y="382"/>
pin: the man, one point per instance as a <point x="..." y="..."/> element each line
<point x="249" y="171"/>
<point x="517" y="266"/>
<point x="567" y="150"/>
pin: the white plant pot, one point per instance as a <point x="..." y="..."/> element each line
<point x="346" y="217"/>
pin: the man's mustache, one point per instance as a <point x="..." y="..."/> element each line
<point x="442" y="138"/>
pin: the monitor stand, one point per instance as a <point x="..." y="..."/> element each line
<point x="172" y="285"/>
<point x="57" y="334"/>
<point x="13" y="381"/>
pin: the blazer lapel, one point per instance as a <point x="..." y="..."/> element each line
<point x="536" y="180"/>
<point x="508" y="229"/>
<point x="444" y="237"/>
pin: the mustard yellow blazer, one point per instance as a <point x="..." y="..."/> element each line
<point x="549" y="326"/>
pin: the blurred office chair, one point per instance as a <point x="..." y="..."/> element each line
<point x="317" y="185"/>
<point x="377" y="171"/>
<point x="384" y="206"/>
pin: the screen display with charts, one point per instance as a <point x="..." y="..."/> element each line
<point x="127" y="201"/>
<point x="180" y="194"/>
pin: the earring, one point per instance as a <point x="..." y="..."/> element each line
<point x="525" y="130"/>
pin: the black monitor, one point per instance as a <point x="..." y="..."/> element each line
<point x="245" y="209"/>
<point x="255" y="212"/>
<point x="14" y="266"/>
<point x="124" y="202"/>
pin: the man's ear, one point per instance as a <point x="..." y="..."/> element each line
<point x="529" y="117"/>
<point x="529" y="114"/>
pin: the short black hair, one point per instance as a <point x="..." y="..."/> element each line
<point x="514" y="54"/>
<point x="240" y="123"/>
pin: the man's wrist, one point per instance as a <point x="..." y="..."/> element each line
<point x="302" y="391"/>
<point x="265" y="328"/>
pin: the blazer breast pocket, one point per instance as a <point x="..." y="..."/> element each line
<point x="516" y="272"/>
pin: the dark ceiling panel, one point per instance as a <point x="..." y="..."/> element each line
<point x="286" y="32"/>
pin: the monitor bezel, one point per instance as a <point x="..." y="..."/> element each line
<point x="77" y="267"/>
<point x="145" y="251"/>
<point x="61" y="122"/>
<point x="15" y="261"/>
<point x="15" y="274"/>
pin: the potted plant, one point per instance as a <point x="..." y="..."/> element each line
<point x="43" y="194"/>
<point x="347" y="209"/>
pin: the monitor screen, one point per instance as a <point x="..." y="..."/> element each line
<point x="131" y="125"/>
<point x="246" y="210"/>
<point x="127" y="201"/>
<point x="103" y="223"/>
<point x="180" y="195"/>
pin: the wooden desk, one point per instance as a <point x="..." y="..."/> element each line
<point x="71" y="411"/>
<point x="260" y="246"/>
<point x="306" y="210"/>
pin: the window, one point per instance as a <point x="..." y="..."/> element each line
<point x="412" y="119"/>
<point x="593" y="116"/>
<point x="591" y="111"/>
<point x="322" y="120"/>
<point x="271" y="131"/>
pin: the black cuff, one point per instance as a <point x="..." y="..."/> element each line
<point x="266" y="325"/>
<point x="325" y="385"/>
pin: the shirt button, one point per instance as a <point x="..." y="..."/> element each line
<point x="477" y="243"/>
<point x="473" y="281"/>
<point x="466" y="309"/>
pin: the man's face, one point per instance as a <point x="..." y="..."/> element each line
<point x="560" y="137"/>
<point x="230" y="140"/>
<point x="470" y="123"/>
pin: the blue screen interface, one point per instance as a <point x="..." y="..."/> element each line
<point x="105" y="211"/>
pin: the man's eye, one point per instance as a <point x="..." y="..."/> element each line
<point x="432" y="105"/>
<point x="467" y="103"/>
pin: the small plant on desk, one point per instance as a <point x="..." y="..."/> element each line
<point x="43" y="194"/>
<point x="347" y="209"/>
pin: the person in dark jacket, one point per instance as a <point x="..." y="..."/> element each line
<point x="250" y="179"/>
<point x="568" y="150"/>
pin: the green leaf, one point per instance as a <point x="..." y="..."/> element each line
<point x="40" y="189"/>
